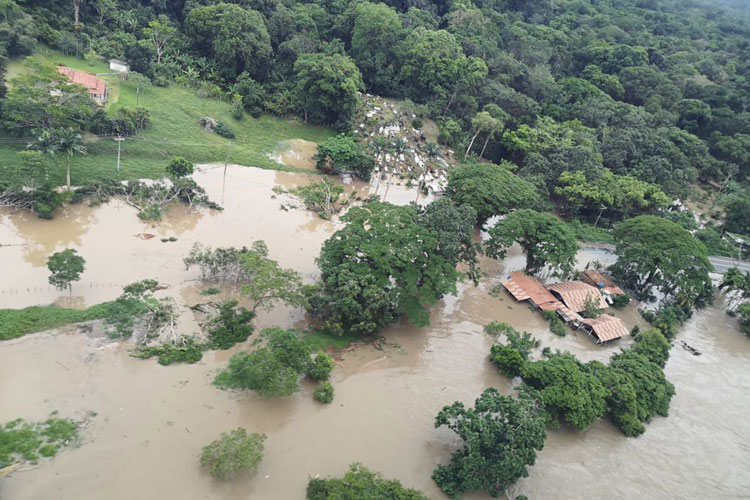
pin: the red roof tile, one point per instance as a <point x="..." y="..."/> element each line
<point x="597" y="279"/>
<point x="575" y="293"/>
<point x="91" y="82"/>
<point x="607" y="327"/>
<point x="524" y="287"/>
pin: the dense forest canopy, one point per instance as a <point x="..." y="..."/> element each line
<point x="655" y="91"/>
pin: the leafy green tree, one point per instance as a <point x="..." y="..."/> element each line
<point x="260" y="371"/>
<point x="320" y="368"/>
<point x="490" y="189"/>
<point x="738" y="215"/>
<point x="341" y="154"/>
<point x="233" y="453"/>
<point x="160" y="33"/>
<point x="656" y="254"/>
<point x="324" y="393"/>
<point x="230" y="326"/>
<point x="508" y="359"/>
<point x="376" y="32"/>
<point x="179" y="167"/>
<point x="326" y="89"/>
<point x="65" y="267"/>
<point x="268" y="282"/>
<point x="501" y="437"/>
<point x="570" y="394"/>
<point x="653" y="345"/>
<point x="432" y="61"/>
<point x="484" y="123"/>
<point x="233" y="36"/>
<point x="359" y="482"/>
<point x="455" y="233"/>
<point x="544" y="239"/>
<point x="381" y="265"/>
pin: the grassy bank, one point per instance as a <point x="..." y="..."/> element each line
<point x="174" y="131"/>
<point x="18" y="322"/>
<point x="320" y="341"/>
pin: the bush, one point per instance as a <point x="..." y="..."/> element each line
<point x="20" y="440"/>
<point x="510" y="361"/>
<point x="621" y="300"/>
<point x="324" y="393"/>
<point x="224" y="130"/>
<point x="360" y="483"/>
<point x="230" y="326"/>
<point x="556" y="325"/>
<point x="653" y="345"/>
<point x="179" y="167"/>
<point x="320" y="368"/>
<point x="417" y="123"/>
<point x="233" y="453"/>
<point x="189" y="352"/>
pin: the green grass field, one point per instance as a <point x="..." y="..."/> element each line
<point x="18" y="322"/>
<point x="174" y="131"/>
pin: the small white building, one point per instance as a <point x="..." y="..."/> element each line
<point x="119" y="66"/>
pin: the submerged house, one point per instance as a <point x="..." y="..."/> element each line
<point x="605" y="285"/>
<point x="523" y="287"/>
<point x="96" y="87"/>
<point x="605" y="328"/>
<point x="574" y="294"/>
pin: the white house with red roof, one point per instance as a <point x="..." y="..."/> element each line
<point x="97" y="87"/>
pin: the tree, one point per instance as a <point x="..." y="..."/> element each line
<point x="233" y="36"/>
<point x="490" y="189"/>
<point x="230" y="326"/>
<point x="569" y="393"/>
<point x="341" y="154"/>
<point x="653" y="345"/>
<point x="455" y="232"/>
<point x="544" y="239"/>
<point x="432" y="60"/>
<point x="484" y="122"/>
<point x="233" y="453"/>
<point x="501" y="437"/>
<point x="376" y="32"/>
<point x="327" y="87"/>
<point x="271" y="370"/>
<point x="69" y="142"/>
<point x="381" y="265"/>
<point x="179" y="167"/>
<point x="359" y="482"/>
<point x="654" y="253"/>
<point x="738" y="215"/>
<point x="160" y="32"/>
<point x="65" y="267"/>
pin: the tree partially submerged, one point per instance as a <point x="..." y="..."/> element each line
<point x="501" y="436"/>
<point x="657" y="255"/>
<point x="360" y="483"/>
<point x="545" y="240"/>
<point x="384" y="263"/>
<point x="263" y="280"/>
<point x="65" y="267"/>
<point x="233" y="453"/>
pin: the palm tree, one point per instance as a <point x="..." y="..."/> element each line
<point x="46" y="142"/>
<point x="433" y="153"/>
<point x="69" y="141"/>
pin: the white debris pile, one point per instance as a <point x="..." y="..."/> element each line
<point x="400" y="150"/>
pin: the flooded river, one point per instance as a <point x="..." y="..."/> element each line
<point x="151" y="421"/>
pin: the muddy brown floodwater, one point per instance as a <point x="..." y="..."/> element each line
<point x="152" y="421"/>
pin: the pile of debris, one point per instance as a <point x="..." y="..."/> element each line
<point x="400" y="149"/>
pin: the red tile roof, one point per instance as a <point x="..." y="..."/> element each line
<point x="607" y="327"/>
<point x="603" y="283"/>
<point x="575" y="293"/>
<point x="91" y="82"/>
<point x="524" y="287"/>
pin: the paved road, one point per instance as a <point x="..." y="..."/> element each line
<point x="721" y="264"/>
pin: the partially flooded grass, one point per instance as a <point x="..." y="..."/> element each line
<point x="16" y="323"/>
<point x="27" y="441"/>
<point x="319" y="340"/>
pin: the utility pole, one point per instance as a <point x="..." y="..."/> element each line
<point x="119" y="140"/>
<point x="226" y="163"/>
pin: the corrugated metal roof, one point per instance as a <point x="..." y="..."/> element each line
<point x="91" y="82"/>
<point x="575" y="293"/>
<point x="597" y="279"/>
<point x="523" y="287"/>
<point x="607" y="327"/>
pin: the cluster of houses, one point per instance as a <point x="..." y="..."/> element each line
<point x="569" y="298"/>
<point x="97" y="88"/>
